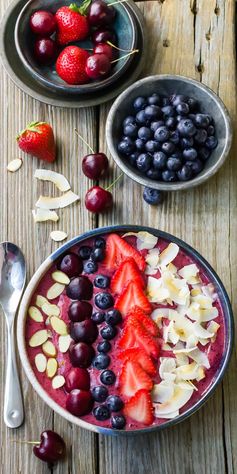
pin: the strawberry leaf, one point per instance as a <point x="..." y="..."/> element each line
<point x="82" y="9"/>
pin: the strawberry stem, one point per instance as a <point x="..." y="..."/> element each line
<point x="114" y="182"/>
<point x="82" y="9"/>
<point x="32" y="127"/>
<point x="84" y="141"/>
<point x="125" y="56"/>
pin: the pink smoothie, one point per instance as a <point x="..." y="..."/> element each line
<point x="213" y="349"/>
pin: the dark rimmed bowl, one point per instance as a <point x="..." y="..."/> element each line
<point x="208" y="270"/>
<point x="167" y="84"/>
<point x="126" y="30"/>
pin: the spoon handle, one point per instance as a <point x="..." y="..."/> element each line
<point x="13" y="404"/>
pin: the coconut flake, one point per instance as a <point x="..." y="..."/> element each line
<point x="14" y="165"/>
<point x="162" y="392"/>
<point x="168" y="416"/>
<point x="167" y="364"/>
<point x="43" y="215"/>
<point x="188" y="372"/>
<point x="189" y="271"/>
<point x="209" y="314"/>
<point x="46" y="202"/>
<point x="178" y="400"/>
<point x="58" y="235"/>
<point x="181" y="359"/>
<point x="201" y="332"/>
<point x="200" y="358"/>
<point x="155" y="292"/>
<point x="56" y="178"/>
<point x="169" y="254"/>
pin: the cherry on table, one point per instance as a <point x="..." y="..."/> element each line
<point x="94" y="165"/>
<point x="98" y="200"/>
<point x="79" y="402"/>
<point x="43" y="23"/>
<point x="101" y="14"/>
<point x="51" y="447"/>
<point x="45" y="51"/>
<point x="98" y="66"/>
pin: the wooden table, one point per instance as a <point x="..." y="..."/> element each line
<point x="189" y="37"/>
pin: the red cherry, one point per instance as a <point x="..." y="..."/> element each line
<point x="85" y="331"/>
<point x="79" y="311"/>
<point x="81" y="354"/>
<point x="104" y="48"/>
<point x="100" y="13"/>
<point x="79" y="402"/>
<point x="98" y="66"/>
<point x="95" y="165"/>
<point x="45" y="51"/>
<point x="77" y="378"/>
<point x="43" y="23"/>
<point x="103" y="35"/>
<point x="98" y="199"/>
<point x="71" y="264"/>
<point x="52" y="447"/>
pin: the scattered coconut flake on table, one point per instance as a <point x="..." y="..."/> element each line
<point x="46" y="202"/>
<point x="43" y="215"/>
<point x="58" y="235"/>
<point x="14" y="165"/>
<point x="56" y="178"/>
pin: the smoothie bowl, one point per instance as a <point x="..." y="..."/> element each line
<point x="125" y="330"/>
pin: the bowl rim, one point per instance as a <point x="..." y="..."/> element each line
<point x="176" y="186"/>
<point x="75" y="88"/>
<point x="22" y="314"/>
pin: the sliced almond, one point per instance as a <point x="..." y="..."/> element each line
<point x="51" y="309"/>
<point x="51" y="368"/>
<point x="40" y="300"/>
<point x="61" y="277"/>
<point x="59" y="326"/>
<point x="58" y="235"/>
<point x="35" y="314"/>
<point x="58" y="381"/>
<point x="43" y="215"/>
<point x="14" y="165"/>
<point x="38" y="338"/>
<point x="55" y="290"/>
<point x="56" y="178"/>
<point x="40" y="362"/>
<point x="64" y="343"/>
<point x="49" y="349"/>
<point x="46" y="202"/>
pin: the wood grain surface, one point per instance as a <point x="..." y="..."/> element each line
<point x="193" y="38"/>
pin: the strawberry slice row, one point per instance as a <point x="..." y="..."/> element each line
<point x="117" y="250"/>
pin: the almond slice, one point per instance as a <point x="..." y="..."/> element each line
<point x="49" y="349"/>
<point x="56" y="178"/>
<point x="40" y="300"/>
<point x="55" y="290"/>
<point x="51" y="368"/>
<point x="60" y="277"/>
<point x="43" y="215"/>
<point x="46" y="202"/>
<point x="14" y="165"/>
<point x="40" y="362"/>
<point x="58" y="235"/>
<point x="59" y="326"/>
<point x="51" y="309"/>
<point x="35" y="314"/>
<point x="64" y="343"/>
<point x="58" y="381"/>
<point x="38" y="338"/>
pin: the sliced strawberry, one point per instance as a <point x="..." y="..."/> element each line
<point x="139" y="355"/>
<point x="142" y="337"/>
<point x="139" y="407"/>
<point x="127" y="271"/>
<point x="145" y="320"/>
<point x="128" y="338"/>
<point x="133" y="378"/>
<point x="132" y="296"/>
<point x="120" y="251"/>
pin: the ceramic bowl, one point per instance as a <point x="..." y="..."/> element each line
<point x="125" y="28"/>
<point x="168" y="85"/>
<point x="195" y="256"/>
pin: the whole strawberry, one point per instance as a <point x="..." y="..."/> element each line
<point x="72" y="24"/>
<point x="71" y="64"/>
<point x="38" y="140"/>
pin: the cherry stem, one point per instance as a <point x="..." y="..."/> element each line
<point x="25" y="442"/>
<point x="119" y="49"/>
<point x="126" y="55"/>
<point x="114" y="182"/>
<point x="84" y="141"/>
<point x="118" y="1"/>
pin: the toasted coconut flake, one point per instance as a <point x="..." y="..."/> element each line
<point x="181" y="359"/>
<point x="169" y="254"/>
<point x="166" y="347"/>
<point x="155" y="292"/>
<point x="201" y="374"/>
<point x="183" y="327"/>
<point x="213" y="327"/>
<point x="152" y="259"/>
<point x="160" y="313"/>
<point x="162" y="392"/>
<point x="35" y="314"/>
<point x="49" y="349"/>
<point x="51" y="309"/>
<point x="59" y="326"/>
<point x="40" y="362"/>
<point x="55" y="290"/>
<point x="64" y="343"/>
<point x="167" y="364"/>
<point x="178" y="289"/>
<point x="209" y="314"/>
<point x="43" y="215"/>
<point x="201" y="332"/>
<point x="192" y="341"/>
<point x="194" y="312"/>
<point x="38" y="338"/>
<point x="58" y="235"/>
<point x="186" y="385"/>
<point x="188" y="372"/>
<point x="52" y="367"/>
<point x="58" y="381"/>
<point x="46" y="202"/>
<point x="168" y="416"/>
<point x="205" y="302"/>
<point x="172" y="268"/>
<point x="56" y="178"/>
<point x="40" y="300"/>
<point x="14" y="165"/>
<point x="195" y="292"/>
<point x="200" y="358"/>
<point x="150" y="270"/>
<point x="178" y="400"/>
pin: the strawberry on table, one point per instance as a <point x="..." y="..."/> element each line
<point x="71" y="63"/>
<point x="139" y="407"/>
<point x="38" y="140"/>
<point x="132" y="296"/>
<point x="127" y="271"/>
<point x="117" y="250"/>
<point x="133" y="378"/>
<point x="72" y="23"/>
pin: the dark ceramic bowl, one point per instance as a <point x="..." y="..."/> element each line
<point x="210" y="103"/>
<point x="195" y="256"/>
<point x="125" y="28"/>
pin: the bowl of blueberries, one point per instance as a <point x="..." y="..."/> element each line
<point x="169" y="132"/>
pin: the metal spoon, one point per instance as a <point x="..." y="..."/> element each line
<point x="12" y="282"/>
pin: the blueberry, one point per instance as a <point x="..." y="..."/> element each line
<point x="108" y="377"/>
<point x="200" y="136"/>
<point x="176" y="99"/>
<point x="101" y="413"/>
<point x="144" y="133"/>
<point x="171" y="122"/>
<point x="162" y="134"/>
<point x="144" y="162"/>
<point x="165" y="101"/>
<point x="196" y="166"/>
<point x="114" y="403"/>
<point x="211" y="130"/>
<point x="168" y="148"/>
<point x="169" y="176"/>
<point x="108" y="332"/>
<point x="101" y="361"/>
<point x="151" y="146"/>
<point x="179" y="118"/>
<point x="211" y="142"/>
<point x="186" y="142"/>
<point x="202" y="120"/>
<point x="159" y="160"/>
<point x="113" y="317"/>
<point x="168" y="111"/>
<point x="140" y="144"/>
<point x="99" y="243"/>
<point x="90" y="266"/>
<point x="85" y="252"/>
<point x="129" y="119"/>
<point x="153" y="174"/>
<point x="139" y="103"/>
<point x="190" y="154"/>
<point x="154" y="99"/>
<point x="102" y="281"/>
<point x="186" y="128"/>
<point x="99" y="393"/>
<point x="118" y="422"/>
<point x="185" y="173"/>
<point x="192" y="117"/>
<point x="204" y="153"/>
<point x="153" y="196"/>
<point x="174" y="137"/>
<point x="141" y="118"/>
<point x="104" y="300"/>
<point x="98" y="254"/>
<point x="130" y="130"/>
<point x="126" y="147"/>
<point x="104" y="346"/>
<point x="152" y="112"/>
<point x="157" y="124"/>
<point x="192" y="103"/>
<point x="98" y="318"/>
<point x="174" y="163"/>
<point x="182" y="108"/>
<point x="133" y="158"/>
